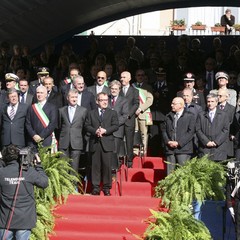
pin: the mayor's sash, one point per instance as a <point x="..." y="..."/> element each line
<point x="45" y="121"/>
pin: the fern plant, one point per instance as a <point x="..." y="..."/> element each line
<point x="62" y="182"/>
<point x="199" y="179"/>
<point x="178" y="223"/>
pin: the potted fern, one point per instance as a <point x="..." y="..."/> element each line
<point x="178" y="25"/>
<point x="199" y="179"/>
<point x="237" y="27"/>
<point x="198" y="26"/>
<point x="61" y="184"/>
<point x="218" y="28"/>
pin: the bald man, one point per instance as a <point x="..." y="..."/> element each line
<point x="101" y="84"/>
<point x="178" y="131"/>
<point x="41" y="121"/>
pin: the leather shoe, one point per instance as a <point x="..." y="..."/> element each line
<point x="106" y="193"/>
<point x="95" y="192"/>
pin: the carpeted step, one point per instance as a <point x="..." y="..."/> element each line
<point x="145" y="175"/>
<point x="154" y="163"/>
<point x="76" y="235"/>
<point x="136" y="189"/>
<point x="98" y="217"/>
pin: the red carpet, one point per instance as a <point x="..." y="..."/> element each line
<point x="89" y="217"/>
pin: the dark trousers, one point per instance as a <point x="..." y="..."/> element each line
<point x="101" y="168"/>
<point x="74" y="155"/>
<point x="176" y="159"/>
<point x="129" y="135"/>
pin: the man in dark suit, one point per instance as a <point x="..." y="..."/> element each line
<point x="178" y="131"/>
<point x="13" y="121"/>
<point x="132" y="95"/>
<point x="120" y="105"/>
<point x="42" y="120"/>
<point x="189" y="82"/>
<point x="25" y="96"/>
<point x="140" y="81"/>
<point x="70" y="124"/>
<point x="67" y="83"/>
<point x="100" y="85"/>
<point x="53" y="97"/>
<point x="212" y="130"/>
<point x="41" y="73"/>
<point x="101" y="123"/>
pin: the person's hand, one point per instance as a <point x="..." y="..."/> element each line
<point x="37" y="138"/>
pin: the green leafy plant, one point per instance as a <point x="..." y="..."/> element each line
<point x="180" y="22"/>
<point x="198" y="23"/>
<point x="217" y="25"/>
<point x="237" y="27"/>
<point x="62" y="182"/>
<point x="178" y="223"/>
<point x="199" y="179"/>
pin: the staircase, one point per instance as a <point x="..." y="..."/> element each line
<point x="90" y="217"/>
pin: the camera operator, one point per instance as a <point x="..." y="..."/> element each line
<point x="17" y="204"/>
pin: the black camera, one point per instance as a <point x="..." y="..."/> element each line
<point x="27" y="156"/>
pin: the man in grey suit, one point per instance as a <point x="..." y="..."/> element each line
<point x="100" y="85"/>
<point x="13" y="121"/>
<point x="120" y="105"/>
<point x="71" y="121"/>
<point x="132" y="96"/>
<point x="213" y="130"/>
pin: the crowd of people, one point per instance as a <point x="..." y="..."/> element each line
<point x="63" y="101"/>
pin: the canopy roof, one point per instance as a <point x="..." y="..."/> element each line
<point x="34" y="22"/>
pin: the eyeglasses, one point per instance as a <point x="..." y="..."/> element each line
<point x="101" y="77"/>
<point x="102" y="100"/>
<point x="140" y="75"/>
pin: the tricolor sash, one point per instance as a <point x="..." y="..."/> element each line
<point x="45" y="121"/>
<point x="67" y="80"/>
<point x="142" y="100"/>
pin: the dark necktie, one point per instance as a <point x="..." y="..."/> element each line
<point x="221" y="106"/>
<point x="113" y="101"/>
<point x="22" y="97"/>
<point x="101" y="114"/>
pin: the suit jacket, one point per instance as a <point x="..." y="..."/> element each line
<point x="146" y="105"/>
<point x="232" y="98"/>
<point x="71" y="133"/>
<point x="88" y="100"/>
<point x="132" y="97"/>
<point x="34" y="84"/>
<point x="230" y="111"/>
<point x="109" y="122"/>
<point x="29" y="99"/>
<point x="198" y="98"/>
<point x="34" y="126"/>
<point x="13" y="131"/>
<point x="184" y="132"/>
<point x="144" y="86"/>
<point x="54" y="98"/>
<point x="217" y="131"/>
<point x="93" y="90"/>
<point x="121" y="107"/>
